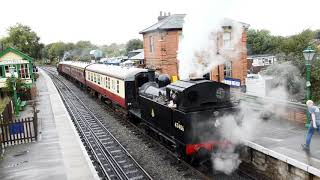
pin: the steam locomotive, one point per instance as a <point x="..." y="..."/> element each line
<point x="184" y="114"/>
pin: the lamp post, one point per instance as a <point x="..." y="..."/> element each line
<point x="308" y="54"/>
<point x="15" y="98"/>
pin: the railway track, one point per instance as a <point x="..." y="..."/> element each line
<point x="114" y="161"/>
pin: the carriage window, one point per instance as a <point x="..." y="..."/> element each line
<point x="117" y="86"/>
<point x="95" y="78"/>
<point x="112" y="85"/>
<point x="98" y="79"/>
<point x="108" y="83"/>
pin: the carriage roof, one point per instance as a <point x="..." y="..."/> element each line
<point x="115" y="71"/>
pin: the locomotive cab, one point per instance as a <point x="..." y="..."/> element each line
<point x="132" y="87"/>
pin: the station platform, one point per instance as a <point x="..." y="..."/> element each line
<point x="58" y="153"/>
<point x="282" y="139"/>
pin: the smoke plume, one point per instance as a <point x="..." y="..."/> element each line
<point x="286" y="83"/>
<point x="202" y="45"/>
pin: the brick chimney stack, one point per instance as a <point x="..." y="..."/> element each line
<point x="160" y="17"/>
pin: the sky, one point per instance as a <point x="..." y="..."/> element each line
<point x="108" y="21"/>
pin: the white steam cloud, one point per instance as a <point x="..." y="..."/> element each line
<point x="255" y="114"/>
<point x="202" y="46"/>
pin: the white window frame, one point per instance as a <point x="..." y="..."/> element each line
<point x="113" y="84"/>
<point x="151" y="44"/>
<point x="108" y="82"/>
<point x="227" y="70"/>
<point x="98" y="79"/>
<point x="227" y="36"/>
<point x="118" y="85"/>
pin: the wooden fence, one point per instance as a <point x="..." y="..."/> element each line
<point x="18" y="131"/>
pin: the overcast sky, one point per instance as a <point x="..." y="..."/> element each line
<point x="107" y="21"/>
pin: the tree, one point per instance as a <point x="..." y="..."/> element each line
<point x="114" y="50"/>
<point x="69" y="51"/>
<point x="288" y="49"/>
<point x="55" y="50"/>
<point x="22" y="38"/>
<point x="134" y="44"/>
<point x="85" y="45"/>
<point x="20" y="86"/>
<point x="262" y="42"/>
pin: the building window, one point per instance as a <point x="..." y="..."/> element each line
<point x="6" y="69"/>
<point x="151" y="44"/>
<point x="2" y="71"/>
<point x="118" y="87"/>
<point x="24" y="71"/>
<point x="228" y="69"/>
<point x="227" y="40"/>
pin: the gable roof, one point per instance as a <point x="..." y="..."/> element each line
<point x="10" y="49"/>
<point x="174" y="21"/>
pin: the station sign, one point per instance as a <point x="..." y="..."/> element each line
<point x="232" y="82"/>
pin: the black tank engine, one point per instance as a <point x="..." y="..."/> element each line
<point x="185" y="113"/>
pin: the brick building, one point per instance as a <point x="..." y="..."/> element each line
<point x="161" y="42"/>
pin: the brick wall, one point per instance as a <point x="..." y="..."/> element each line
<point x="273" y="168"/>
<point x="239" y="63"/>
<point x="164" y="56"/>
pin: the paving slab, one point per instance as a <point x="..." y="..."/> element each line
<point x="282" y="139"/>
<point x="59" y="153"/>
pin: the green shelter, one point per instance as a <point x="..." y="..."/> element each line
<point x="23" y="66"/>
